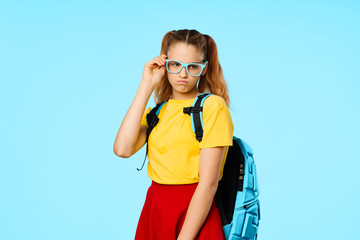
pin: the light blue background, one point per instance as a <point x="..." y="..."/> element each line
<point x="69" y="71"/>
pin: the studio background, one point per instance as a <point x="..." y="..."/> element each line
<point x="69" y="71"/>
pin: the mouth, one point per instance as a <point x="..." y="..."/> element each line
<point x="182" y="81"/>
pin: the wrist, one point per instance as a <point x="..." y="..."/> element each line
<point x="147" y="85"/>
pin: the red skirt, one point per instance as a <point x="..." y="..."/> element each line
<point x="164" y="213"/>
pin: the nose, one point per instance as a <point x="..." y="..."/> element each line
<point x="183" y="72"/>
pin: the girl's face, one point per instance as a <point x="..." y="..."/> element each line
<point x="183" y="84"/>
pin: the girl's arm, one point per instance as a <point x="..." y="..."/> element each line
<point x="209" y="170"/>
<point x="132" y="135"/>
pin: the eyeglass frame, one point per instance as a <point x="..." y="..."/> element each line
<point x="186" y="67"/>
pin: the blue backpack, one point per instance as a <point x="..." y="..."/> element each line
<point x="238" y="190"/>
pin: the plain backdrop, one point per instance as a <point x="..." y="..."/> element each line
<point x="69" y="71"/>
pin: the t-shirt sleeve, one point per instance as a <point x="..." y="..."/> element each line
<point x="143" y="120"/>
<point x="217" y="123"/>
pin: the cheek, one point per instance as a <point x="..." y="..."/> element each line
<point x="171" y="77"/>
<point x="196" y="80"/>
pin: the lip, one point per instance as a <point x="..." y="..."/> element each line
<point x="182" y="81"/>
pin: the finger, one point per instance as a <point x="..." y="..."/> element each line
<point x="157" y="61"/>
<point x="159" y="58"/>
<point x="162" y="59"/>
<point x="153" y="64"/>
<point x="160" y="62"/>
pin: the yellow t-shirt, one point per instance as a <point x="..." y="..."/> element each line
<point x="174" y="152"/>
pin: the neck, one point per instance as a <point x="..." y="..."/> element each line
<point x="185" y="96"/>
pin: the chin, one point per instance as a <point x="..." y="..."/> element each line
<point x="183" y="90"/>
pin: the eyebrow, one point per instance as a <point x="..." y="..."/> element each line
<point x="189" y="62"/>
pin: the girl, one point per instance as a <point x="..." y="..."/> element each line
<point x="180" y="201"/>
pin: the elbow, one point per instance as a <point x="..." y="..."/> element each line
<point x="213" y="187"/>
<point x="122" y="153"/>
<point x="122" y="148"/>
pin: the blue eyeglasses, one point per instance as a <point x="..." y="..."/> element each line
<point x="193" y="69"/>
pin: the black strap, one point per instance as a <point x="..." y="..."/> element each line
<point x="152" y="120"/>
<point x="195" y="110"/>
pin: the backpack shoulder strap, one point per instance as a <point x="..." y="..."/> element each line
<point x="195" y="111"/>
<point x="152" y="120"/>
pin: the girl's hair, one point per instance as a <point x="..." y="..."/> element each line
<point x="212" y="81"/>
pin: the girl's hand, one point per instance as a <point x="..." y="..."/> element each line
<point x="154" y="70"/>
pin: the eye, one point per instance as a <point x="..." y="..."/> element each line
<point x="194" y="66"/>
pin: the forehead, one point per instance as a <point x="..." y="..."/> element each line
<point x="184" y="53"/>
